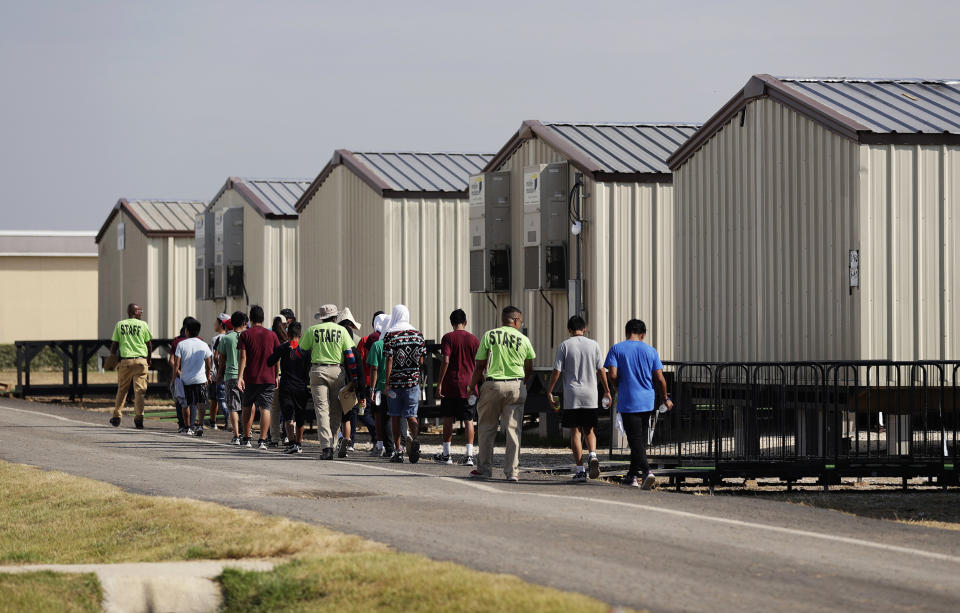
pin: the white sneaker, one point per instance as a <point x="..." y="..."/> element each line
<point x="632" y="482"/>
<point x="467" y="461"/>
<point x="649" y="482"/>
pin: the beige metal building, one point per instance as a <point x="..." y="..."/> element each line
<point x="146" y="256"/>
<point x="48" y="285"/>
<point x="626" y="244"/>
<point x="819" y="219"/>
<point x="378" y="229"/>
<point x="249" y="230"/>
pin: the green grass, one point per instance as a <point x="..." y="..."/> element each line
<point x="46" y="592"/>
<point x="388" y="582"/>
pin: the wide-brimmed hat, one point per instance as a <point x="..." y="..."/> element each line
<point x="326" y="311"/>
<point x="346" y="315"/>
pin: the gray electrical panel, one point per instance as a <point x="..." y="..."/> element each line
<point x="228" y="254"/>
<point x="546" y="226"/>
<point x="203" y="235"/>
<point x="490" y="232"/>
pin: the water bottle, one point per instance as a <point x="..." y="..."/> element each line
<point x="472" y="400"/>
<point x="376" y="398"/>
<point x="423" y="394"/>
<point x="605" y="402"/>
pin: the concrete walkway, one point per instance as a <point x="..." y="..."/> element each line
<point x="185" y="587"/>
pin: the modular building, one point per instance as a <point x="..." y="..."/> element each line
<point x="146" y="256"/>
<point x="609" y="182"/>
<point x="49" y="285"/>
<point x="820" y="220"/>
<point x="246" y="252"/>
<point x="377" y="229"/>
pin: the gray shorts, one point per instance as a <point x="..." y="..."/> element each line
<point x="231" y="393"/>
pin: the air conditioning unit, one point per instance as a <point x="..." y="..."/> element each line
<point x="546" y="226"/>
<point x="228" y="255"/>
<point x="490" y="232"/>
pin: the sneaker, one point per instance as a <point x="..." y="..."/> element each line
<point x="245" y="443"/>
<point x="350" y="449"/>
<point x="327" y="453"/>
<point x="114" y="421"/>
<point x="190" y="431"/>
<point x="235" y="441"/>
<point x="594" y="468"/>
<point x="476" y="474"/>
<point x="442" y="459"/>
<point x="414" y="451"/>
<point x="631" y="482"/>
<point x="293" y="449"/>
<point x="215" y="427"/>
<point x="272" y="443"/>
<point x="396" y="458"/>
<point x="467" y="461"/>
<point x="649" y="482"/>
<point x="580" y="477"/>
<point x="342" y="446"/>
<point x="138" y="423"/>
<point x="210" y="424"/>
<point x="262" y="444"/>
<point x="513" y="479"/>
<point x="386" y="453"/>
<point x="198" y="432"/>
<point x="376" y="452"/>
<point x="286" y="440"/>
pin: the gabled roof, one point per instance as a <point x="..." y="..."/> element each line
<point x="606" y="151"/>
<point x="158" y="217"/>
<point x="272" y="198"/>
<point x="405" y="174"/>
<point x="47" y="243"/>
<point x="913" y="111"/>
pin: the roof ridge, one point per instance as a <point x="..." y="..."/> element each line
<point x="650" y="124"/>
<point x="869" y="79"/>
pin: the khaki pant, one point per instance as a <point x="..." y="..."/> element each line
<point x="499" y="403"/>
<point x="135" y="371"/>
<point x="325" y="383"/>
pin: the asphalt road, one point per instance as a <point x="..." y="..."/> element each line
<point x="657" y="550"/>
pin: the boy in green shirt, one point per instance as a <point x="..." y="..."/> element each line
<point x="228" y="371"/>
<point x="507" y="357"/>
<point x="131" y="343"/>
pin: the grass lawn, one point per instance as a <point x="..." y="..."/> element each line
<point x="53" y="517"/>
<point x="47" y="592"/>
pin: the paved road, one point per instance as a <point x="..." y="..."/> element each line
<point x="658" y="550"/>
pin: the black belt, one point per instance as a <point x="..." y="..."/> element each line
<point x="326" y="364"/>
<point x="517" y="379"/>
<point x="135" y="357"/>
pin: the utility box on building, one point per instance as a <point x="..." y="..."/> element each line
<point x="546" y="222"/>
<point x="490" y="232"/>
<point x="204" y="248"/>
<point x="228" y="256"/>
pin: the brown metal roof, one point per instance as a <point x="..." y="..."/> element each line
<point x="272" y="198"/>
<point x="158" y="217"/>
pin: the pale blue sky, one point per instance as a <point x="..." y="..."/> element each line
<point x="100" y="100"/>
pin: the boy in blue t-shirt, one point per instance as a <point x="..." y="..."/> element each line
<point x="634" y="367"/>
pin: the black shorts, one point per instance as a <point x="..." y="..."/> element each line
<point x="579" y="418"/>
<point x="195" y="394"/>
<point x="260" y="394"/>
<point x="293" y="405"/>
<point x="457" y="408"/>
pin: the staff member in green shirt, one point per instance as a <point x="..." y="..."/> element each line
<point x="131" y="340"/>
<point x="507" y="357"/>
<point x="329" y="346"/>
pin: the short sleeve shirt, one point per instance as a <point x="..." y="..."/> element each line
<point x="579" y="358"/>
<point x="375" y="359"/>
<point x="192" y="353"/>
<point x="228" y="348"/>
<point x="258" y="343"/>
<point x="460" y="346"/>
<point x="406" y="347"/>
<point x="132" y="336"/>
<point x="636" y="362"/>
<point x="326" y="343"/>
<point x="505" y="350"/>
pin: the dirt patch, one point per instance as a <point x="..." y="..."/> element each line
<point x="320" y="494"/>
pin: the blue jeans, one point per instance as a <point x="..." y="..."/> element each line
<point x="405" y="403"/>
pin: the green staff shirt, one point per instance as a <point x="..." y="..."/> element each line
<point x="227" y="347"/>
<point x="375" y="359"/>
<point x="505" y="350"/>
<point x="326" y="343"/>
<point x="132" y="335"/>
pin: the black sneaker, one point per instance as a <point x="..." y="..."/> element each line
<point x="342" y="446"/>
<point x="182" y="431"/>
<point x="198" y="431"/>
<point x="245" y="442"/>
<point x="262" y="444"/>
<point x="442" y="458"/>
<point x="414" y="451"/>
<point x="272" y="443"/>
<point x="594" y="467"/>
<point x="293" y="449"/>
<point x="327" y="453"/>
<point x="138" y="423"/>
<point x="286" y="441"/>
<point x="580" y="477"/>
<point x="396" y="458"/>
<point x="114" y="421"/>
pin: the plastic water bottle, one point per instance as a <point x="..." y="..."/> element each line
<point x="605" y="402"/>
<point x="376" y="397"/>
<point x="472" y="399"/>
<point x="662" y="408"/>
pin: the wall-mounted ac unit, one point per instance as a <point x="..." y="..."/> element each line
<point x="546" y="224"/>
<point x="490" y="232"/>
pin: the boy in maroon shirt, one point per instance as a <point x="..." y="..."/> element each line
<point x="257" y="379"/>
<point x="458" y="348"/>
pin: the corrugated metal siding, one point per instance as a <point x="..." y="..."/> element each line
<point x="109" y="282"/>
<point x="765" y="216"/>
<point x="909" y="212"/>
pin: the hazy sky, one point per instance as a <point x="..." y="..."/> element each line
<point x="102" y="100"/>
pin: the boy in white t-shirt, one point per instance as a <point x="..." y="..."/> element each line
<point x="192" y="364"/>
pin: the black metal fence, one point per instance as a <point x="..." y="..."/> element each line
<point x="795" y="419"/>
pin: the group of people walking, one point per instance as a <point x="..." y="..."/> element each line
<point x="286" y="372"/>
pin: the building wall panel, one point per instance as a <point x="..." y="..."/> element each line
<point x="61" y="301"/>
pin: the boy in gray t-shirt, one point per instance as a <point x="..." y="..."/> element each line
<point x="580" y="361"/>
